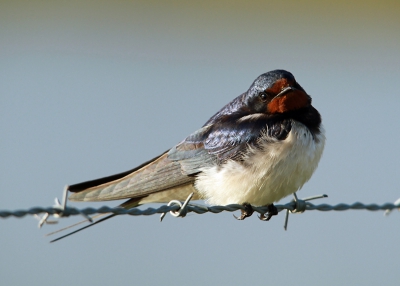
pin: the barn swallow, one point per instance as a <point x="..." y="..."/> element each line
<point x="261" y="147"/>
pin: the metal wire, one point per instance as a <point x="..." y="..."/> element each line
<point x="199" y="209"/>
<point x="179" y="209"/>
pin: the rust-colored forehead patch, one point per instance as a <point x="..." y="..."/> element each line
<point x="291" y="101"/>
<point x="279" y="85"/>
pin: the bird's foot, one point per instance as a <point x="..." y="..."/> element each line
<point x="248" y="211"/>
<point x="272" y="210"/>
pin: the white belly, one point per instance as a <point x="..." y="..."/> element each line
<point x="276" y="170"/>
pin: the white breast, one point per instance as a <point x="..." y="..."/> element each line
<point x="276" y="170"/>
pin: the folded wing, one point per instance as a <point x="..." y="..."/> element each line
<point x="156" y="175"/>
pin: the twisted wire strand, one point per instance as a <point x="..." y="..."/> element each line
<point x="199" y="209"/>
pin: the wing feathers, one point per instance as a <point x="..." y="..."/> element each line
<point x="161" y="174"/>
<point x="210" y="145"/>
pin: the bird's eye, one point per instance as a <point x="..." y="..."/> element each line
<point x="263" y="96"/>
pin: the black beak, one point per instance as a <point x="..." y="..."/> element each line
<point x="285" y="90"/>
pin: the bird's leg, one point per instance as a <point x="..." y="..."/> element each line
<point x="248" y="211"/>
<point x="272" y="210"/>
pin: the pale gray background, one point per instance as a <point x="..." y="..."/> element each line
<point x="92" y="88"/>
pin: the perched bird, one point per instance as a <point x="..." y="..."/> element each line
<point x="262" y="146"/>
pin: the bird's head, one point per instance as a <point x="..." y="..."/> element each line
<point x="276" y="92"/>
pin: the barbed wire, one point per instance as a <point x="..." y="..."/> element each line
<point x="199" y="209"/>
<point x="178" y="209"/>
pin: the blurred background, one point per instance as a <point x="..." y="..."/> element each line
<point x="93" y="88"/>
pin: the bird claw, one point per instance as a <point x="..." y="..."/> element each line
<point x="272" y="210"/>
<point x="247" y="212"/>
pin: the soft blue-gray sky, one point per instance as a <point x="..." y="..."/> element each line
<point x="92" y="88"/>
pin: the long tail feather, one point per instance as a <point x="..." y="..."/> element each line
<point x="126" y="205"/>
<point x="82" y="228"/>
<point x="75" y="224"/>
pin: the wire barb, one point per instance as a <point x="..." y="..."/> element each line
<point x="63" y="210"/>
<point x="44" y="219"/>
<point x="300" y="206"/>
<point x="182" y="208"/>
<point x="396" y="203"/>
